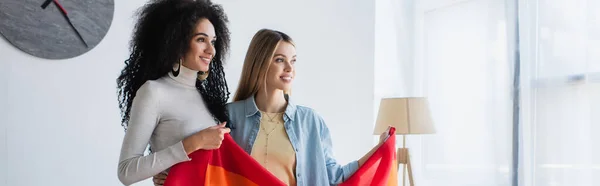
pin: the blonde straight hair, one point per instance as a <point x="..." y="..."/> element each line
<point x="257" y="62"/>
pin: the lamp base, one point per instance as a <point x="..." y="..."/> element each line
<point x="404" y="158"/>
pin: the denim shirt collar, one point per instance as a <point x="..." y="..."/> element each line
<point x="252" y="109"/>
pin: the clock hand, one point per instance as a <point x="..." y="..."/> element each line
<point x="64" y="13"/>
<point x="46" y="3"/>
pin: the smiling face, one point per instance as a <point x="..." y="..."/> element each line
<point x="281" y="69"/>
<point x="268" y="66"/>
<point x="202" y="46"/>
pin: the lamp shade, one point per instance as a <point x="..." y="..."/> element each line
<point x="407" y="115"/>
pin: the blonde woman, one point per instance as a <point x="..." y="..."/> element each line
<point x="290" y="140"/>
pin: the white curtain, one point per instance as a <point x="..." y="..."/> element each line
<point x="461" y="64"/>
<point x="561" y="75"/>
<point x="468" y="82"/>
<point x="460" y="57"/>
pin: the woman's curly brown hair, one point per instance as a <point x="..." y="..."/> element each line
<point x="161" y="37"/>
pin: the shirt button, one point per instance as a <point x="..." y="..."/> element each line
<point x="296" y="149"/>
<point x="298" y="175"/>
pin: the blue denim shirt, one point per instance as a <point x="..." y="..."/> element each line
<point x="310" y="138"/>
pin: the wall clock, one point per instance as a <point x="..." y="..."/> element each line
<point x="55" y="29"/>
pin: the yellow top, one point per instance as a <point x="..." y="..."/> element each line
<point x="273" y="149"/>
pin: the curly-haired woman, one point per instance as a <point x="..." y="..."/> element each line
<point x="172" y="91"/>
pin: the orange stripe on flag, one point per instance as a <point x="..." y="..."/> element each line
<point x="393" y="177"/>
<point x="220" y="176"/>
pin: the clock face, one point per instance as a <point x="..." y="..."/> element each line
<point x="55" y="29"/>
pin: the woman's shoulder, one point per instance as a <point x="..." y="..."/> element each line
<point x="236" y="111"/>
<point x="309" y="117"/>
<point x="150" y="88"/>
<point x="235" y="106"/>
<point x="311" y="121"/>
<point x="307" y="112"/>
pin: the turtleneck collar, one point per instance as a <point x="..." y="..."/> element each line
<point x="186" y="76"/>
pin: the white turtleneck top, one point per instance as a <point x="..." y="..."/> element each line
<point x="163" y="113"/>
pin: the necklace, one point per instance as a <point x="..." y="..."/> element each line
<point x="267" y="134"/>
<point x="271" y="118"/>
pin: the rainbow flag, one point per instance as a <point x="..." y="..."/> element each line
<point x="381" y="168"/>
<point x="231" y="165"/>
<point x="228" y="165"/>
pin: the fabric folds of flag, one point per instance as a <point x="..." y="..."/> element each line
<point x="381" y="168"/>
<point x="229" y="165"/>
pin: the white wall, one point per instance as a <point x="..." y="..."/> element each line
<point x="3" y="121"/>
<point x="60" y="120"/>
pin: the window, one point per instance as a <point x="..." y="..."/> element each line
<point x="562" y="92"/>
<point x="456" y="53"/>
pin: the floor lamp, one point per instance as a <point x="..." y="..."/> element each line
<point x="409" y="116"/>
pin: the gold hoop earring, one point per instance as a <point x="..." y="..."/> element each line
<point x="176" y="72"/>
<point x="202" y="75"/>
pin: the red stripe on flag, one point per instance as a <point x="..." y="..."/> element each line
<point x="381" y="168"/>
<point x="229" y="164"/>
